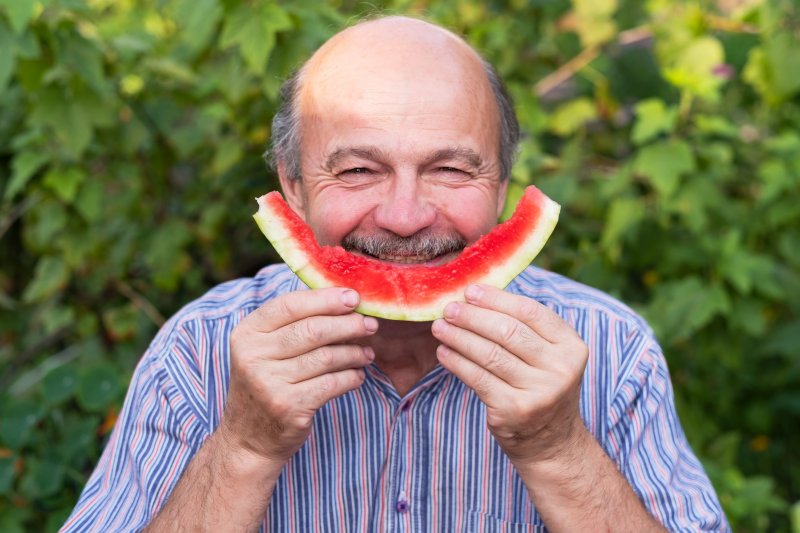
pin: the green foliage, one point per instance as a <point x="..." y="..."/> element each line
<point x="130" y="136"/>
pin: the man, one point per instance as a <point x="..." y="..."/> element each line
<point x="546" y="405"/>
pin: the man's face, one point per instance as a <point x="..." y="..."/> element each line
<point x="398" y="162"/>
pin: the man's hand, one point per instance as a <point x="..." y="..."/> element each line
<point x="288" y="358"/>
<point x="524" y="363"/>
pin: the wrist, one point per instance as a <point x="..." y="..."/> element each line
<point x="562" y="463"/>
<point x="242" y="461"/>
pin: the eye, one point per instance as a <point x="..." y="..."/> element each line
<point x="356" y="171"/>
<point x="452" y="174"/>
<point x="358" y="175"/>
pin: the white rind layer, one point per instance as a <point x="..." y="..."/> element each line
<point x="499" y="276"/>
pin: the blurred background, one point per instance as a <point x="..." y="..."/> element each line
<point x="131" y="134"/>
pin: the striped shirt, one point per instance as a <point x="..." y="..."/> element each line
<point x="377" y="462"/>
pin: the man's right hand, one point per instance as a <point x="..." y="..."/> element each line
<point x="288" y="358"/>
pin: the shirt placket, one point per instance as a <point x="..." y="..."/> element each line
<point x="404" y="504"/>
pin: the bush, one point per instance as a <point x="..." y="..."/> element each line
<point x="131" y="139"/>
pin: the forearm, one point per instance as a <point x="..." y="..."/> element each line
<point x="582" y="490"/>
<point x="221" y="490"/>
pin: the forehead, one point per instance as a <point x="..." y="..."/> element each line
<point x="385" y="70"/>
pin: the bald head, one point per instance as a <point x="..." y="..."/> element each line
<point x="396" y="64"/>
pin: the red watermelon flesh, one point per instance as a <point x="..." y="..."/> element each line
<point x="414" y="293"/>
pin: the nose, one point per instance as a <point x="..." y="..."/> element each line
<point x="406" y="208"/>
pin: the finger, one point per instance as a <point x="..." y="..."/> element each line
<point x="498" y="328"/>
<point x="489" y="388"/>
<point x="325" y="360"/>
<point x="317" y="391"/>
<point x="538" y="317"/>
<point x="294" y="306"/>
<point x="483" y="352"/>
<point x="311" y="333"/>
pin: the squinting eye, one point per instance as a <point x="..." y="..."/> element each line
<point x="452" y="173"/>
<point x="359" y="175"/>
<point x="358" y="170"/>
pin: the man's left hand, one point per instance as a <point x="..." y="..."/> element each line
<point x="525" y="363"/>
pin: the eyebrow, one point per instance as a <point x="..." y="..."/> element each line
<point x="364" y="152"/>
<point x="465" y="155"/>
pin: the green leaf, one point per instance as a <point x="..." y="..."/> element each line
<point x="64" y="182"/>
<point x="89" y="200"/>
<point x="624" y="214"/>
<point x="23" y="167"/>
<point x="228" y="153"/>
<point x="716" y="125"/>
<point x="59" y="384"/>
<point x="7" y="55"/>
<point x="664" y="163"/>
<point x="50" y="276"/>
<point x="42" y="478"/>
<point x="6" y="474"/>
<point x="794" y="515"/>
<point x="72" y="115"/>
<point x="595" y="20"/>
<point x="121" y="322"/>
<point x="679" y="308"/>
<point x="13" y="519"/>
<point x="692" y="68"/>
<point x="19" y="12"/>
<point x="253" y="29"/>
<point x="17" y="422"/>
<point x="98" y="385"/>
<point x="78" y="441"/>
<point x="198" y="19"/>
<point x="784" y="64"/>
<point x="572" y="116"/>
<point x="653" y="118"/>
<point x="82" y="57"/>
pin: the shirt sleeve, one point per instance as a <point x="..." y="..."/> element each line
<point x="651" y="450"/>
<point x="153" y="440"/>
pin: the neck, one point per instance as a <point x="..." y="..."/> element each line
<point x="404" y="351"/>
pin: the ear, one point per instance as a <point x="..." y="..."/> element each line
<point x="502" y="189"/>
<point x="294" y="192"/>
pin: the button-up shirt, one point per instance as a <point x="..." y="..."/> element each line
<point x="376" y="461"/>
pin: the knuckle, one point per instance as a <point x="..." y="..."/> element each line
<point x="280" y="306"/>
<point x="496" y="358"/>
<point x="511" y="332"/>
<point x="327" y="384"/>
<point x="311" y="331"/>
<point x="480" y="382"/>
<point x="530" y="311"/>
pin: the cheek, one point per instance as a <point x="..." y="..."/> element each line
<point x="472" y="214"/>
<point x="335" y="215"/>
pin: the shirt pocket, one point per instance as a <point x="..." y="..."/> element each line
<point x="479" y="522"/>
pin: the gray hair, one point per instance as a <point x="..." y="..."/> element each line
<point x="285" y="138"/>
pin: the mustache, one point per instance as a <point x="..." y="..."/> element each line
<point x="424" y="243"/>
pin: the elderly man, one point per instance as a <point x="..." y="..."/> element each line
<point x="547" y="405"/>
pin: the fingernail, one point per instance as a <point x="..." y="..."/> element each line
<point x="473" y="292"/>
<point x="441" y="351"/>
<point x="451" y="311"/>
<point x="349" y="298"/>
<point x="369" y="352"/>
<point x="371" y="324"/>
<point x="438" y="326"/>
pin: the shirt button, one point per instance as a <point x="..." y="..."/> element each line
<point x="402" y="506"/>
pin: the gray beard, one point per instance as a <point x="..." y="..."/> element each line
<point x="423" y="244"/>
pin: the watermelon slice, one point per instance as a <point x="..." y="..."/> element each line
<point x="413" y="293"/>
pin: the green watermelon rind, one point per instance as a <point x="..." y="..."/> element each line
<point x="499" y="276"/>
